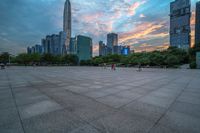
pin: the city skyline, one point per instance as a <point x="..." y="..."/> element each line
<point x="131" y="19"/>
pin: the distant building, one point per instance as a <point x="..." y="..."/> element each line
<point x="29" y="50"/>
<point x="117" y="49"/>
<point x="180" y="13"/>
<point x="73" y="46"/>
<point x="84" y="47"/>
<point x="67" y="23"/>
<point x="112" y="40"/>
<point x="197" y="27"/>
<point x="33" y="50"/>
<point x="38" y="49"/>
<point x="52" y="44"/>
<point x="126" y="50"/>
<point x="102" y="49"/>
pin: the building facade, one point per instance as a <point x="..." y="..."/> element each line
<point x="73" y="46"/>
<point x="180" y="14"/>
<point x="84" y="47"/>
<point x="102" y="49"/>
<point x="67" y="23"/>
<point x="112" y="40"/>
<point x="52" y="44"/>
<point x="197" y="26"/>
<point x="126" y="50"/>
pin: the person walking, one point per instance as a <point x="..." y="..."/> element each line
<point x="139" y="67"/>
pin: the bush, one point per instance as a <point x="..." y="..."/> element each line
<point x="193" y="65"/>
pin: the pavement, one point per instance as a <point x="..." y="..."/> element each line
<point x="97" y="100"/>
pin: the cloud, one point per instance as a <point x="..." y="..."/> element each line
<point x="132" y="9"/>
<point x="143" y="31"/>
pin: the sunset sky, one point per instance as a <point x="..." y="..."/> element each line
<point x="142" y="24"/>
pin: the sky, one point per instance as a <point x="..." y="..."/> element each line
<point x="141" y="24"/>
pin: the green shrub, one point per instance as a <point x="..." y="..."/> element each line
<point x="193" y="65"/>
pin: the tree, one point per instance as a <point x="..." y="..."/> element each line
<point x="70" y="59"/>
<point x="47" y="58"/>
<point x="23" y="59"/>
<point x="4" y="58"/>
<point x="172" y="61"/>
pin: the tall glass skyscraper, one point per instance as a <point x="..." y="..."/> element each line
<point x="180" y="14"/>
<point x="67" y="23"/>
<point x="197" y="27"/>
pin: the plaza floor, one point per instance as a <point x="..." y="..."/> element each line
<point x="97" y="100"/>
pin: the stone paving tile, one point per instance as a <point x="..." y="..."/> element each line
<point x="14" y="127"/>
<point x="5" y="94"/>
<point x="114" y="100"/>
<point x="147" y="111"/>
<point x="8" y="116"/>
<point x="7" y="103"/>
<point x="187" y="108"/>
<point x="31" y="110"/>
<point x="55" y="122"/>
<point x="120" y="122"/>
<point x="189" y="99"/>
<point x="162" y="129"/>
<point x="157" y="101"/>
<point x="86" y="129"/>
<point x="181" y="122"/>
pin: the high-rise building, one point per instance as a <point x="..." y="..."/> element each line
<point x="29" y="51"/>
<point x="112" y="40"/>
<point x="117" y="49"/>
<point x="126" y="50"/>
<point x="62" y="39"/>
<point x="38" y="49"/>
<point x="54" y="44"/>
<point x="84" y="47"/>
<point x="73" y="46"/>
<point x="197" y="27"/>
<point x="102" y="49"/>
<point x="180" y="13"/>
<point x="67" y="23"/>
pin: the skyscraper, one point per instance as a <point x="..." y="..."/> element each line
<point x="84" y="47"/>
<point x="67" y="23"/>
<point x="197" y="27"/>
<point x="112" y="40"/>
<point x="102" y="48"/>
<point x="180" y="13"/>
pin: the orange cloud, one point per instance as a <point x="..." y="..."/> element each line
<point x="132" y="9"/>
<point x="143" y="31"/>
<point x="148" y="47"/>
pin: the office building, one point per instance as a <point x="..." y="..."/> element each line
<point x="112" y="40"/>
<point x="67" y="23"/>
<point x="73" y="46"/>
<point x="197" y="26"/>
<point x="84" y="47"/>
<point x="180" y="14"/>
<point x="102" y="49"/>
<point x="29" y="50"/>
<point x="126" y="50"/>
<point x="52" y="44"/>
<point x="38" y="49"/>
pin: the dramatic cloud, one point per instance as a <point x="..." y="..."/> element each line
<point x="142" y="24"/>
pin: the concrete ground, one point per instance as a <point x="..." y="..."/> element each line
<point x="97" y="100"/>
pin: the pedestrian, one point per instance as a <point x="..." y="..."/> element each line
<point x="112" y="66"/>
<point x="139" y="67"/>
<point x="104" y="65"/>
